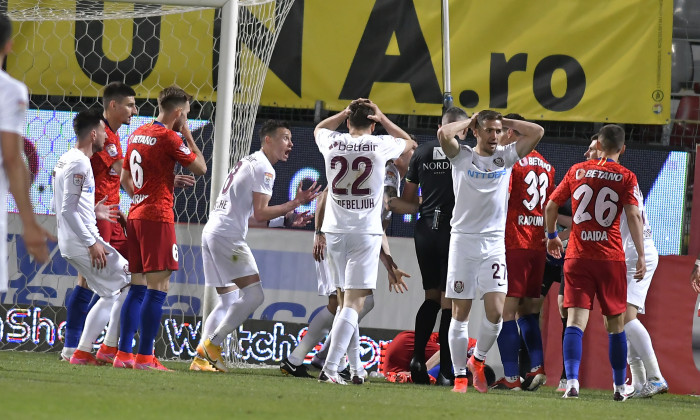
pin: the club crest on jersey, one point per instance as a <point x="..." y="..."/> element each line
<point x="111" y="150"/>
<point x="580" y="173"/>
<point x="438" y="154"/>
<point x="499" y="162"/>
<point x="78" y="179"/>
<point x="459" y="286"/>
<point x="184" y="149"/>
<point x="268" y="179"/>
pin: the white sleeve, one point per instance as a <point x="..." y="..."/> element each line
<point x="462" y="152"/>
<point x="75" y="175"/>
<point x="263" y="179"/>
<point x="324" y="138"/>
<point x="14" y="108"/>
<point x="510" y="155"/>
<point x="392" y="147"/>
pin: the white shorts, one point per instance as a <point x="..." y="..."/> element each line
<point x="225" y="260"/>
<point x="326" y="285"/>
<point x="637" y="291"/>
<point x="109" y="280"/>
<point x="4" y="279"/>
<point x="476" y="263"/>
<point x="353" y="259"/>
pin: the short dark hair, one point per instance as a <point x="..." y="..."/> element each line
<point x="611" y="138"/>
<point x="514" y="116"/>
<point x="86" y="121"/>
<point x="594" y="137"/>
<point x="5" y="29"/>
<point x="171" y="97"/>
<point x="488" y="115"/>
<point x="116" y="91"/>
<point x="270" y="126"/>
<point x="453" y="114"/>
<point x="359" y="111"/>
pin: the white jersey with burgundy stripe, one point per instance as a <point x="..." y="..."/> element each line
<point x="355" y="170"/>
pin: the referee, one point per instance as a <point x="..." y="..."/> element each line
<point x="431" y="171"/>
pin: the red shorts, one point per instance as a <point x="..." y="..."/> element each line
<point x="152" y="246"/>
<point x="114" y="235"/>
<point x="525" y="272"/>
<point x="588" y="278"/>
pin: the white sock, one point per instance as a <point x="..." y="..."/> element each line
<point x="354" y="353"/>
<point x="572" y="383"/>
<point x="488" y="333"/>
<point x="252" y="297"/>
<point x="112" y="334"/>
<point x="214" y="318"/>
<point x="319" y="327"/>
<point x="366" y="308"/>
<point x="639" y="375"/>
<point x="95" y="322"/>
<point x="639" y="338"/>
<point x="67" y="352"/>
<point x="458" y="337"/>
<point x="342" y="333"/>
<point x="322" y="354"/>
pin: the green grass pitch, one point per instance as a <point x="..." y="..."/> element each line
<point x="38" y="386"/>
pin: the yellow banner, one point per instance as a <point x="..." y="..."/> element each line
<point x="599" y="60"/>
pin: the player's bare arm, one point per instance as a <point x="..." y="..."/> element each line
<point x="319" y="248"/>
<point x="391" y="128"/>
<point x="199" y="165"/>
<point x="34" y="235"/>
<point x="695" y="276"/>
<point x="554" y="246"/>
<point x="446" y="135"/>
<point x="127" y="182"/>
<point x="263" y="213"/>
<point x="408" y="202"/>
<point x="636" y="225"/>
<point x="184" y="181"/>
<point x="530" y="135"/>
<point x="334" y="121"/>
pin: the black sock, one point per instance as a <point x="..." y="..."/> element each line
<point x="425" y="322"/>
<point x="445" y="358"/>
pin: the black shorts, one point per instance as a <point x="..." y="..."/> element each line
<point x="552" y="273"/>
<point x="432" y="249"/>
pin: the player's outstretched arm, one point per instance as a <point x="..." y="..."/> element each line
<point x="554" y="244"/>
<point x="530" y="135"/>
<point x="34" y="235"/>
<point x="446" y="135"/>
<point x="636" y="225"/>
<point x="263" y="213"/>
<point x="695" y="276"/>
<point x="199" y="165"/>
<point x="408" y="202"/>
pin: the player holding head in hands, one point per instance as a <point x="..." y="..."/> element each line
<point x="595" y="260"/>
<point x="147" y="176"/>
<point x="12" y="168"/>
<point x="352" y="222"/>
<point x="477" y="260"/>
<point x="104" y="269"/>
<point x="228" y="262"/>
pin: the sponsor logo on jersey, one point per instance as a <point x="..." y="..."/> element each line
<point x="535" y="161"/>
<point x="268" y="179"/>
<point x="499" y="162"/>
<point x="438" y="153"/>
<point x="459" y="286"/>
<point x="140" y="139"/>
<point x="580" y="173"/>
<point x="594" y="235"/>
<point x="111" y="150"/>
<point x="78" y="179"/>
<point x="112" y="172"/>
<point x="184" y="149"/>
<point x="485" y="175"/>
<point x="437" y="166"/>
<point x="359" y="147"/>
<point x="610" y="176"/>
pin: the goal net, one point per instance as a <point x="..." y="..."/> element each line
<point x="66" y="52"/>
